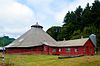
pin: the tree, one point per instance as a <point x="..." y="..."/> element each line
<point x="76" y="34"/>
<point x="67" y="18"/>
<point x="78" y="13"/>
<point x="98" y="38"/>
<point x="54" y="32"/>
<point x="5" y="40"/>
<point x="95" y="10"/>
<point x="86" y="16"/>
<point x="81" y="22"/>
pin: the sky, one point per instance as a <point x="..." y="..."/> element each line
<point x="16" y="16"/>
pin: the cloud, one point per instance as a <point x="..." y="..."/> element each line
<point x="15" y="17"/>
<point x="18" y="15"/>
<point x="55" y="9"/>
<point x="70" y="6"/>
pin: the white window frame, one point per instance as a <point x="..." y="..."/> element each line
<point x="68" y="49"/>
<point x="45" y="48"/>
<point x="76" y="49"/>
<point x="60" y="49"/>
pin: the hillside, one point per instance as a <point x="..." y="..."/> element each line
<point x="5" y="40"/>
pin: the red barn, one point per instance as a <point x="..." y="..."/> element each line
<point x="37" y="41"/>
<point x="83" y="46"/>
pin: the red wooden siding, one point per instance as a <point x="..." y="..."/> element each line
<point x="87" y="49"/>
<point x="45" y="49"/>
<point x="33" y="50"/>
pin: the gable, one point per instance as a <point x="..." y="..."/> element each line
<point x="89" y="43"/>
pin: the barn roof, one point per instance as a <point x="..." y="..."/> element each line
<point x="34" y="37"/>
<point x="76" y="42"/>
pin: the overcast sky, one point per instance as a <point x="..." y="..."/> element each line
<point x="16" y="16"/>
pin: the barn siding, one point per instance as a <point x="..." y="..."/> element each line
<point x="45" y="49"/>
<point x="87" y="49"/>
<point x="34" y="50"/>
<point x="50" y="50"/>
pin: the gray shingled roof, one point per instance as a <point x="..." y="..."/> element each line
<point x="76" y="42"/>
<point x="34" y="37"/>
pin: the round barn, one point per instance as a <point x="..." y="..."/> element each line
<point x="37" y="41"/>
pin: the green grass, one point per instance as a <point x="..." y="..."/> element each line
<point x="51" y="60"/>
<point x="98" y="53"/>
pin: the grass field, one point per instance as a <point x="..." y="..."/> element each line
<point x="50" y="60"/>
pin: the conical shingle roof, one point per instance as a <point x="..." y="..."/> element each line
<point x="34" y="37"/>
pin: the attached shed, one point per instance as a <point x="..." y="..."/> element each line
<point x="83" y="46"/>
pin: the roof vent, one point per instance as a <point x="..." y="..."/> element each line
<point x="37" y="26"/>
<point x="81" y="37"/>
<point x="64" y="39"/>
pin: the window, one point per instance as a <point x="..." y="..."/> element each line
<point x="60" y="49"/>
<point x="76" y="49"/>
<point x="68" y="49"/>
<point x="54" y="50"/>
<point x="45" y="48"/>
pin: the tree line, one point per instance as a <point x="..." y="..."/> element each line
<point x="81" y="22"/>
<point x="5" y="41"/>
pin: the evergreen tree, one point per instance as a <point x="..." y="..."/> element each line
<point x="86" y="16"/>
<point x="81" y="22"/>
<point x="54" y="32"/>
<point x="5" y="41"/>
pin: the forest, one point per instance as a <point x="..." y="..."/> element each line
<point x="79" y="23"/>
<point x="5" y="40"/>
